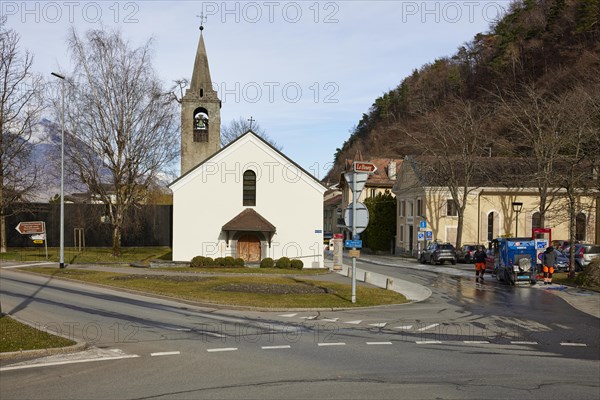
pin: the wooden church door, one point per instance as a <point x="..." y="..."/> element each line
<point x="248" y="248"/>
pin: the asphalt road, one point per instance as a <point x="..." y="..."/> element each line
<point x="466" y="341"/>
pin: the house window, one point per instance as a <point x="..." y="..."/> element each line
<point x="580" y="222"/>
<point x="401" y="233"/>
<point x="402" y="208"/>
<point x="451" y="208"/>
<point x="373" y="192"/>
<point x="419" y="208"/>
<point x="249" y="192"/>
<point x="410" y="209"/>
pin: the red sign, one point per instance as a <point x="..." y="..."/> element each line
<point x="31" y="228"/>
<point x="362" y="166"/>
<point x="338" y="236"/>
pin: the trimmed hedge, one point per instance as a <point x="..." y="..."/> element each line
<point x="201" y="261"/>
<point x="296" y="264"/>
<point x="239" y="262"/>
<point x="267" y="263"/>
<point x="283" y="263"/>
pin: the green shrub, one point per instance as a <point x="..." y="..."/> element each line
<point x="296" y="264"/>
<point x="209" y="262"/>
<point x="229" y="261"/>
<point x="283" y="263"/>
<point x="590" y="276"/>
<point x="239" y="262"/>
<point x="267" y="263"/>
<point x="197" y="261"/>
<point x="219" y="261"/>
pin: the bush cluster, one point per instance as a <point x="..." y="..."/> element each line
<point x="296" y="264"/>
<point x="200" y="261"/>
<point x="590" y="276"/>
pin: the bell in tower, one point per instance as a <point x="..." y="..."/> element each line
<point x="200" y="114"/>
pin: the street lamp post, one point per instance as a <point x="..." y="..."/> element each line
<point x="62" y="172"/>
<point x="517" y="206"/>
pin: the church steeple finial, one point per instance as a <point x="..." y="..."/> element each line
<point x="202" y="20"/>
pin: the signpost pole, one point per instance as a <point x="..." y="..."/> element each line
<point x="354" y="200"/>
<point x="45" y="240"/>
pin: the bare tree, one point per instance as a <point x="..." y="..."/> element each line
<point x="20" y="107"/>
<point x="455" y="140"/>
<point x="537" y="120"/>
<point x="237" y="127"/>
<point x="121" y="123"/>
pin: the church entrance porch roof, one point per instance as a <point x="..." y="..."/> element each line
<point x="249" y="220"/>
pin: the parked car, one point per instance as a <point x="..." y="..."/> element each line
<point x="562" y="261"/>
<point x="584" y="254"/>
<point x="437" y="253"/>
<point x="465" y="254"/>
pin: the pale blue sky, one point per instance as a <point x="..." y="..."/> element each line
<point x="341" y="55"/>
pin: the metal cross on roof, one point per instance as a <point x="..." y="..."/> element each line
<point x="202" y="20"/>
<point x="251" y="120"/>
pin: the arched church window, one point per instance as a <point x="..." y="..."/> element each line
<point x="200" y="125"/>
<point x="536" y="220"/>
<point x="249" y="188"/>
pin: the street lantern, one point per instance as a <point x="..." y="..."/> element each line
<point x="517" y="206"/>
<point x="62" y="172"/>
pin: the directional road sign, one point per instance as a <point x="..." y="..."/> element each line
<point x="362" y="166"/>
<point x="31" y="228"/>
<point x="362" y="217"/>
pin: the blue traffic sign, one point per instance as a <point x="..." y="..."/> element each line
<point x="353" y="244"/>
<point x="429" y="235"/>
<point x="423" y="224"/>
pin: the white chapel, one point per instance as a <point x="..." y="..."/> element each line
<point x="244" y="200"/>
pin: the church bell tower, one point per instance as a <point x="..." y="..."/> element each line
<point x="200" y="114"/>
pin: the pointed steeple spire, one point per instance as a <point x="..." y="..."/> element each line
<point x="201" y="75"/>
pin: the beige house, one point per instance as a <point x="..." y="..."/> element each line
<point x="426" y="211"/>
<point x="332" y="210"/>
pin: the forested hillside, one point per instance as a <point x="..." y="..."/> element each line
<point x="544" y="54"/>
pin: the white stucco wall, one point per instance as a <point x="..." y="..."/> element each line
<point x="211" y="195"/>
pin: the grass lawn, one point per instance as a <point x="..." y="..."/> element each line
<point x="250" y="291"/>
<point x="15" y="336"/>
<point x="88" y="255"/>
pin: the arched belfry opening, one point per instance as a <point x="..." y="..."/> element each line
<point x="200" y="125"/>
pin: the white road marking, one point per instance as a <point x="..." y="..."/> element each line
<point x="376" y="343"/>
<point x="287" y="346"/>
<point x="563" y="326"/>
<point x="573" y="344"/>
<point x="221" y="349"/>
<point x="427" y="327"/>
<point x="476" y="342"/>
<point x="28" y="265"/>
<point x="522" y="342"/>
<point x="331" y="344"/>
<point x="165" y="353"/>
<point x="330" y="319"/>
<point x="428" y="342"/>
<point x="175" y="329"/>
<point x="379" y="324"/>
<point x="50" y="364"/>
<point x="358" y="321"/>
<point x="309" y="317"/>
<point x="288" y="315"/>
<point x="404" y="327"/>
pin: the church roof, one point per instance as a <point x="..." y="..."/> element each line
<point x="249" y="220"/>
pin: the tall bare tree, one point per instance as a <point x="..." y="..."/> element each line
<point x="538" y="121"/>
<point x="20" y="106"/>
<point x="121" y="122"/>
<point x="456" y="140"/>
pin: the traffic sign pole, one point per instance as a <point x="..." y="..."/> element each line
<point x="353" y="236"/>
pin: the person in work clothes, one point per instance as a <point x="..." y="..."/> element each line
<point x="479" y="258"/>
<point x="548" y="263"/>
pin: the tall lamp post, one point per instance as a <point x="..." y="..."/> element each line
<point x="62" y="171"/>
<point x="517" y="206"/>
